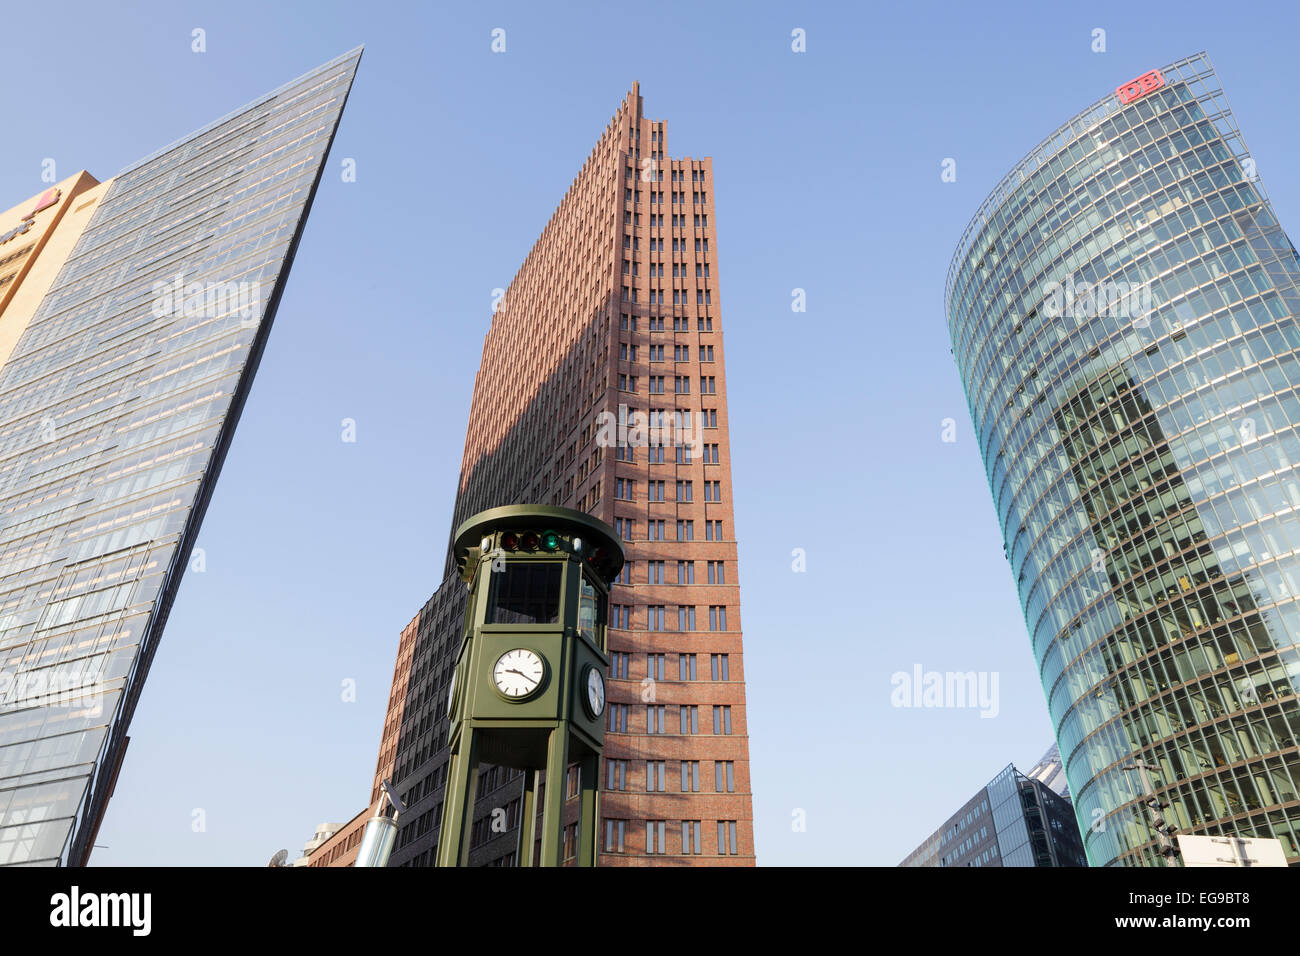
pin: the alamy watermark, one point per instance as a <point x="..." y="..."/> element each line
<point x="208" y="299"/>
<point x="947" y="689"/>
<point x="632" y="428"/>
<point x="59" y="686"/>
<point x="1108" y="299"/>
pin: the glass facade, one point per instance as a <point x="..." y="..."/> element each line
<point x="1014" y="821"/>
<point x="117" y="406"/>
<point x="1122" y="313"/>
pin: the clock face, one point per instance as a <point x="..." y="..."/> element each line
<point x="518" y="673"/>
<point x="595" y="692"/>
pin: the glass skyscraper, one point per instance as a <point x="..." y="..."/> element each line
<point x="1122" y="311"/>
<point x="133" y="314"/>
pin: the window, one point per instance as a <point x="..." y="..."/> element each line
<point x="656" y="529"/>
<point x="691" y="836"/>
<point x="685" y="529"/>
<point x="624" y="527"/>
<point x="656" y="384"/>
<point x="727" y="838"/>
<point x="682" y="384"/>
<point x="654" y="836"/>
<point x="655" y="617"/>
<point x="685" y="491"/>
<point x="724" y="776"/>
<point x="625" y="489"/>
<point x="656" y="490"/>
<point x="713" y="531"/>
<point x="655" y="454"/>
<point x="572" y="782"/>
<point x="681" y="353"/>
<point x="716" y="573"/>
<point x="685" y="572"/>
<point x="709" y="417"/>
<point x="655" y="666"/>
<point x="624" y="575"/>
<point x="722" y="719"/>
<point x="686" y="667"/>
<point x="525" y="593"/>
<point x="713" y="491"/>
<point x="654" y="776"/>
<point x="618" y="662"/>
<point x="571" y="841"/>
<point x="618" y="718"/>
<point x="706" y="351"/>
<point x="654" y="572"/>
<point x="711" y="454"/>
<point x="718" y="666"/>
<point x="620" y="616"/>
<point x="689" y="719"/>
<point x="704" y="324"/>
<point x="708" y="385"/>
<point x="690" y="776"/>
<point x="614" y="832"/>
<point x="686" y="618"/>
<point x="717" y="617"/>
<point x="654" y="719"/>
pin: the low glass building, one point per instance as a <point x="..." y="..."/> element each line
<point x="1122" y="314"/>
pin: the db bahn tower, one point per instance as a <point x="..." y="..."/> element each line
<point x="528" y="689"/>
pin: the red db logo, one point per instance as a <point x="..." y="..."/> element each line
<point x="1143" y="85"/>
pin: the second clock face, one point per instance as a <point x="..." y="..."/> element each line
<point x="595" y="692"/>
<point x="518" y="673"/>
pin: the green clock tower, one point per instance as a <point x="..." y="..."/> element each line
<point x="528" y="690"/>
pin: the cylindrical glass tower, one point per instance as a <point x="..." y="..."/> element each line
<point x="1123" y="310"/>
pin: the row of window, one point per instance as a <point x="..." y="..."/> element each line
<point x="633" y="244"/>
<point x="655" y="528"/>
<point x="680" y="296"/>
<point x="625" y="488"/>
<point x="621" y="616"/>
<point x="655" y="837"/>
<point x="656" y="717"/>
<point x="655" y="323"/>
<point x="681" y="453"/>
<point x="681" y="353"/>
<point x="719" y="666"/>
<point x="698" y="198"/>
<point x="724" y="775"/>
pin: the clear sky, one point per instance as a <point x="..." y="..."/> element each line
<point x="827" y="167"/>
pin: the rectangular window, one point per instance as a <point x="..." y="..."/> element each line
<point x="654" y="776"/>
<point x="686" y="530"/>
<point x="618" y="662"/>
<point x="716" y="573"/>
<point x="722" y="719"/>
<point x="614" y="834"/>
<point x="717" y="618"/>
<point x="685" y="492"/>
<point x="618" y="718"/>
<point x="727" y="838"/>
<point x="690" y="776"/>
<point x="718" y="666"/>
<point x="685" y="572"/>
<point x="656" y="489"/>
<point x="689" y="719"/>
<point x="724" y="776"/>
<point x="655" y="572"/>
<point x="691" y="836"/>
<point x="525" y="593"/>
<point x="654" y="719"/>
<point x="655" y="617"/>
<point x="656" y="529"/>
<point x="686" y="667"/>
<point x="686" y="618"/>
<point x="654" y="836"/>
<point x="655" y="666"/>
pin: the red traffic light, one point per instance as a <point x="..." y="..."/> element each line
<point x="510" y="541"/>
<point x="530" y="541"/>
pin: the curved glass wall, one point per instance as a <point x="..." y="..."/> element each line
<point x="1122" y="312"/>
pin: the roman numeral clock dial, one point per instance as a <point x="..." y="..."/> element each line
<point x="518" y="673"/>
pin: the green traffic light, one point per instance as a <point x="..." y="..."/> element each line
<point x="550" y="540"/>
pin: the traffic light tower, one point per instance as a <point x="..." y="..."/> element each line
<point x="528" y="690"/>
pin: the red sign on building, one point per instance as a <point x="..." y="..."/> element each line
<point x="1143" y="85"/>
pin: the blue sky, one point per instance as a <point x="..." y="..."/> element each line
<point x="827" y="167"/>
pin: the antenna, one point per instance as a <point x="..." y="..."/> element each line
<point x="279" y="858"/>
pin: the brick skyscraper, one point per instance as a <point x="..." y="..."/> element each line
<point x="614" y="316"/>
